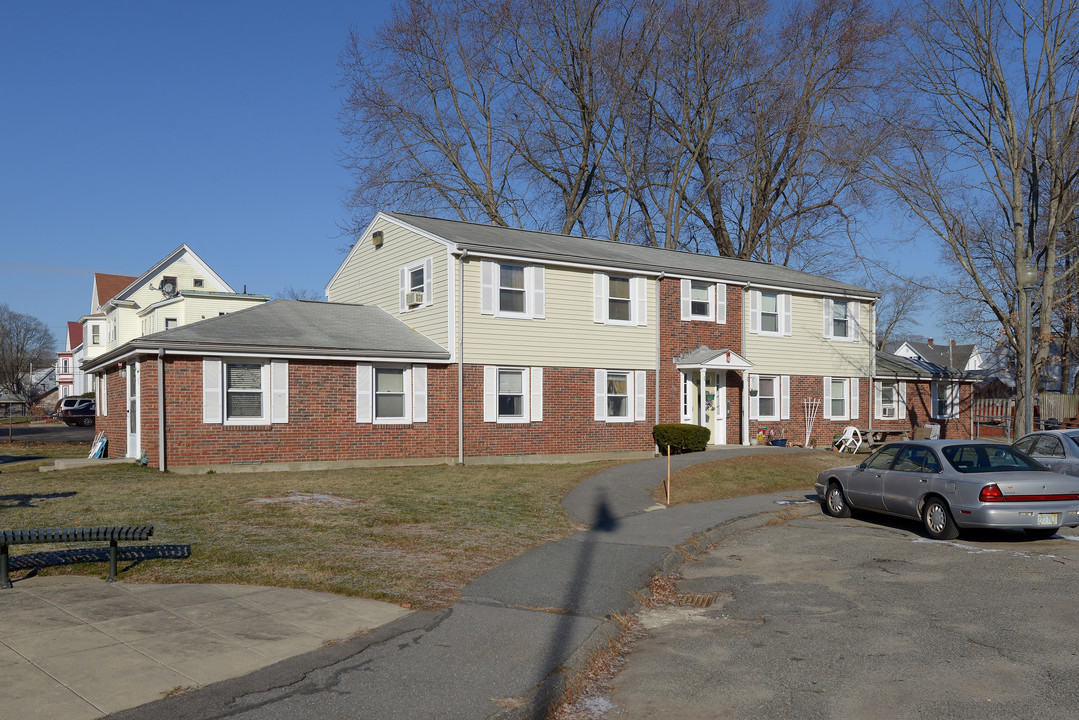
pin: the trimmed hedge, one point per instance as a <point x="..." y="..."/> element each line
<point x="681" y="438"/>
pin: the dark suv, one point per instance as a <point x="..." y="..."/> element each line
<point x="77" y="411"/>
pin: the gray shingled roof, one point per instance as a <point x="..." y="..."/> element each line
<point x="940" y="354"/>
<point x="565" y="248"/>
<point x="889" y="365"/>
<point x="295" y="327"/>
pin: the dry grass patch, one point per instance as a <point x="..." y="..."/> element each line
<point x="405" y="535"/>
<point x="22" y="456"/>
<point x="749" y="475"/>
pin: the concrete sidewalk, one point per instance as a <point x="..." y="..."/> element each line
<point x="77" y="647"/>
<point x="502" y="651"/>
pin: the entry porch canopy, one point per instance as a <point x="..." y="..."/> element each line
<point x="704" y="359"/>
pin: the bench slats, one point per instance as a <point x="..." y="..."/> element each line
<point x="76" y="534"/>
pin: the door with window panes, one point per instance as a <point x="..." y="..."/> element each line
<point x="134" y="448"/>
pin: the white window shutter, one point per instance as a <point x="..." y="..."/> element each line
<point x="490" y="393"/>
<point x="212" y="411"/>
<point x="854" y="398"/>
<point x="828" y="309"/>
<point x="536" y="389"/>
<point x="601" y="395"/>
<point x="279" y="391"/>
<point x="721" y="303"/>
<point x="428" y="282"/>
<point x="855" y="311"/>
<point x="785" y="397"/>
<point x="419" y="393"/>
<point x="104" y="394"/>
<point x="539" y="294"/>
<point x="827" y="398"/>
<point x="639" y="289"/>
<point x="901" y="401"/>
<point x="363" y="392"/>
<point x="402" y="289"/>
<point x="599" y="297"/>
<point x="640" y="384"/>
<point x="755" y="311"/>
<point x="687" y="300"/>
<point x="754" y="397"/>
<point x="487" y="287"/>
<point x="878" y="400"/>
<point x="785" y="301"/>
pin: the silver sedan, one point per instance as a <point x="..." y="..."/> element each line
<point x="1056" y="449"/>
<point x="952" y="485"/>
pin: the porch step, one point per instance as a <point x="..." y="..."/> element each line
<point x="71" y="463"/>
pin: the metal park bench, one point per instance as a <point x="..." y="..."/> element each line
<point x="111" y="535"/>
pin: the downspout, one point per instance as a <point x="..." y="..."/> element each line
<point x="873" y="365"/>
<point x="461" y="357"/>
<point x="745" y="401"/>
<point x="659" y="340"/>
<point x="162" y="461"/>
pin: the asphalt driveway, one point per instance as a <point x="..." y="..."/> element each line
<point x="46" y="432"/>
<point x="822" y="618"/>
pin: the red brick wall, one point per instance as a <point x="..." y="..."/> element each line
<point x="919" y="412"/>
<point x="114" y="424"/>
<point x="677" y="337"/>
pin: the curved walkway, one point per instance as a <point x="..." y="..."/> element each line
<point x="498" y="652"/>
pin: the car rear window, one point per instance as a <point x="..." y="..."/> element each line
<point x="988" y="458"/>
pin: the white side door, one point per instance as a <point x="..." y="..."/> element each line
<point x="134" y="448"/>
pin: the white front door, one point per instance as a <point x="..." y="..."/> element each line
<point x="134" y="450"/>
<point x="719" y="432"/>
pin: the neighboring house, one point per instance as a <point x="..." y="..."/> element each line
<point x="70" y="378"/>
<point x="911" y="393"/>
<point x="564" y="347"/>
<point x="952" y="356"/>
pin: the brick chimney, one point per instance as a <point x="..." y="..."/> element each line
<point x="929" y="342"/>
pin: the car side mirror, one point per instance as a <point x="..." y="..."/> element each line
<point x="862" y="466"/>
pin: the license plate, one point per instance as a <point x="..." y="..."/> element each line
<point x="1048" y="518"/>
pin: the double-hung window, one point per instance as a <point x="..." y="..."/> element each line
<point x="512" y="290"/>
<point x="842" y="320"/>
<point x="620" y="299"/>
<point x="391" y="394"/>
<point x="769" y="397"/>
<point x="840" y="398"/>
<point x="95" y="334"/>
<point x="621" y="395"/>
<point x="512" y="394"/>
<point x="770" y="313"/>
<point x="890" y="400"/>
<point x="415" y="286"/>
<point x="702" y="300"/>
<point x="945" y="400"/>
<point x="244" y="392"/>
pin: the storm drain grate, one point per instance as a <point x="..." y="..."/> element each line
<point x="696" y="599"/>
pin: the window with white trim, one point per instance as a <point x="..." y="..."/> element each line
<point x="842" y="320"/>
<point x="244" y="391"/>
<point x="945" y="400"/>
<point x="841" y="398"/>
<point x="620" y="299"/>
<point x="512" y="394"/>
<point x="391" y="394"/>
<point x="890" y="400"/>
<point x="620" y="395"/>
<point x="769" y="397"/>
<point x="512" y="290"/>
<point x="95" y="334"/>
<point x="701" y="300"/>
<point x="415" y="285"/>
<point x="770" y="313"/>
<point x="170" y="323"/>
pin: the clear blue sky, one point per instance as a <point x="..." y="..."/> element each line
<point x="128" y="128"/>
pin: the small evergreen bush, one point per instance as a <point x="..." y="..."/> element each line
<point x="680" y="438"/>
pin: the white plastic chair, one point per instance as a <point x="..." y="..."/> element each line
<point x="851" y="440"/>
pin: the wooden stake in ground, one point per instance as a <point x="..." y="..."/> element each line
<point x="667" y="485"/>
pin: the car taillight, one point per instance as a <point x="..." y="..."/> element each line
<point x="991" y="493"/>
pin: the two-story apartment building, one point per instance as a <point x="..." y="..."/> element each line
<point x="447" y="341"/>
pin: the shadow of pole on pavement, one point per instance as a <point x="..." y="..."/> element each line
<point x="603" y="521"/>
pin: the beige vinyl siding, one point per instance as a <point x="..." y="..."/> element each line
<point x="806" y="351"/>
<point x="370" y="276"/>
<point x="566" y="337"/>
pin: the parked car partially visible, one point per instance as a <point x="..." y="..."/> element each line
<point x="77" y="411"/>
<point x="1056" y="449"/>
<point x="951" y="485"/>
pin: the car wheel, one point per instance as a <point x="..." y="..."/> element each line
<point x="835" y="502"/>
<point x="87" y="422"/>
<point x="1040" y="533"/>
<point x="938" y="520"/>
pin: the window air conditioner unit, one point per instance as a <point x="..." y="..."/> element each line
<point x="414" y="298"/>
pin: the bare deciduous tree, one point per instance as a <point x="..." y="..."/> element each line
<point x="24" y="341"/>
<point x="986" y="167"/>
